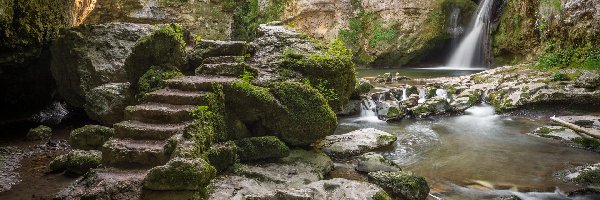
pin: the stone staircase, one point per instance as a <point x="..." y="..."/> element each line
<point x="139" y="141"/>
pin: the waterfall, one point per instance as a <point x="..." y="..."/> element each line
<point x="422" y="95"/>
<point x="404" y="96"/>
<point x="473" y="46"/>
<point x="455" y="30"/>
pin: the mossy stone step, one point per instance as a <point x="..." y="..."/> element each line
<point x="177" y="97"/>
<point x="159" y="113"/>
<point x="125" y="153"/>
<point x="224" y="59"/>
<point x="132" y="129"/>
<point x="223" y="69"/>
<point x="198" y="83"/>
<point x="211" y="48"/>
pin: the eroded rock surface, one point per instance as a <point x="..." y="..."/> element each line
<point x="355" y="142"/>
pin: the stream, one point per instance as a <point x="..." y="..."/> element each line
<point x="458" y="155"/>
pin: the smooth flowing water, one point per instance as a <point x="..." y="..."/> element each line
<point x="478" y="147"/>
<point x="471" y="48"/>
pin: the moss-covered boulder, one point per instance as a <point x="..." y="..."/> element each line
<point x="90" y="137"/>
<point x="308" y="117"/>
<point x="180" y="174"/>
<point x="39" y="133"/>
<point x="222" y="155"/>
<point x="589" y="177"/>
<point x="295" y="112"/>
<point x="261" y="148"/>
<point x="404" y="185"/>
<point x="165" y="48"/>
<point x="76" y="162"/>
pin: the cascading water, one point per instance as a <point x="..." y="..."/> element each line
<point x="455" y="30"/>
<point x="471" y="51"/>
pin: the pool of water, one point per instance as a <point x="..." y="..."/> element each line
<point x="478" y="147"/>
<point x="417" y="72"/>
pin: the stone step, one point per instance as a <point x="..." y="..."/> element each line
<point x="211" y="48"/>
<point x="125" y="153"/>
<point x="159" y="113"/>
<point x="224" y="59"/>
<point x="223" y="69"/>
<point x="177" y="97"/>
<point x="132" y="129"/>
<point x="198" y="83"/>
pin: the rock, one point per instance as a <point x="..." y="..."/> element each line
<point x="222" y="155"/>
<point x="337" y="188"/>
<point x="355" y="142"/>
<point x="106" y="184"/>
<point x="465" y="100"/>
<point x="352" y="108"/>
<point x="588" y="80"/>
<point x="39" y="133"/>
<point x="363" y="86"/>
<point x="402" y="184"/>
<point x="89" y="57"/>
<point x="390" y="111"/>
<point x="433" y="106"/>
<point x="267" y="179"/>
<point x="372" y="162"/>
<point x="106" y="103"/>
<point x="90" y="137"/>
<point x="588" y="175"/>
<point x="180" y="174"/>
<point x="261" y="148"/>
<point x="555" y="132"/>
<point x="76" y="162"/>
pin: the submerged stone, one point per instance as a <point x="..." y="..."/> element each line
<point x="180" y="174"/>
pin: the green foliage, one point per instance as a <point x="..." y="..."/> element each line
<point x="584" y="57"/>
<point x="588" y="143"/>
<point x="247" y="77"/>
<point x="325" y="89"/>
<point x="247" y="16"/>
<point x="331" y="69"/>
<point x="261" y="148"/>
<point x="589" y="177"/>
<point x="366" y="25"/>
<point x="154" y="79"/>
<point x="557" y="76"/>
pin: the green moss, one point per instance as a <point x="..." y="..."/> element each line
<point x="39" y="133"/>
<point x="588" y="143"/>
<point x="402" y="184"/>
<point x="90" y="137"/>
<point x="76" y="162"/>
<point x="247" y="15"/>
<point x="330" y="69"/>
<point x="261" y="148"/>
<point x="412" y="90"/>
<point x="360" y="89"/>
<point x="180" y="174"/>
<point x="589" y="177"/>
<point x="584" y="123"/>
<point x="154" y="79"/>
<point x="222" y="156"/>
<point x="585" y="57"/>
<point x="164" y="48"/>
<point x="381" y="195"/>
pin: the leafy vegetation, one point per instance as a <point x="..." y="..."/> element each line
<point x="247" y="16"/>
<point x="154" y="79"/>
<point x="584" y="57"/>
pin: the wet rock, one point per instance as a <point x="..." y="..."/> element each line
<point x="265" y="180"/>
<point x="352" y="108"/>
<point x="76" y="162"/>
<point x="555" y="132"/>
<point x="401" y="184"/>
<point x="337" y="188"/>
<point x="390" y="111"/>
<point x="222" y="155"/>
<point x="433" y="106"/>
<point x="90" y="56"/>
<point x="261" y="148"/>
<point x="39" y="133"/>
<point x="180" y="174"/>
<point x="586" y="175"/>
<point x="588" y="80"/>
<point x="372" y="162"/>
<point x="355" y="142"/>
<point x="466" y="99"/>
<point x="90" y="137"/>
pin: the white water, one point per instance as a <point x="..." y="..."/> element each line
<point x="367" y="112"/>
<point x="471" y="45"/>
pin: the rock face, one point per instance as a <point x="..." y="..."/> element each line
<point x="82" y="70"/>
<point x="355" y="142"/>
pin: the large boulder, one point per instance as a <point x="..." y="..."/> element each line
<point x="105" y="103"/>
<point x="356" y="142"/>
<point x="76" y="162"/>
<point x="261" y="148"/>
<point x="180" y="174"/>
<point x="91" y="56"/>
<point x="39" y="133"/>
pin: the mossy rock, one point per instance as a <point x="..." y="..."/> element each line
<point x="90" y="137"/>
<point x="76" y="162"/>
<point x="165" y="48"/>
<point x="261" y="148"/>
<point x="362" y="87"/>
<point x="39" y="133"/>
<point x="412" y="90"/>
<point x="222" y="156"/>
<point x="180" y="174"/>
<point x="154" y="79"/>
<point x="402" y="184"/>
<point x="308" y="117"/>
